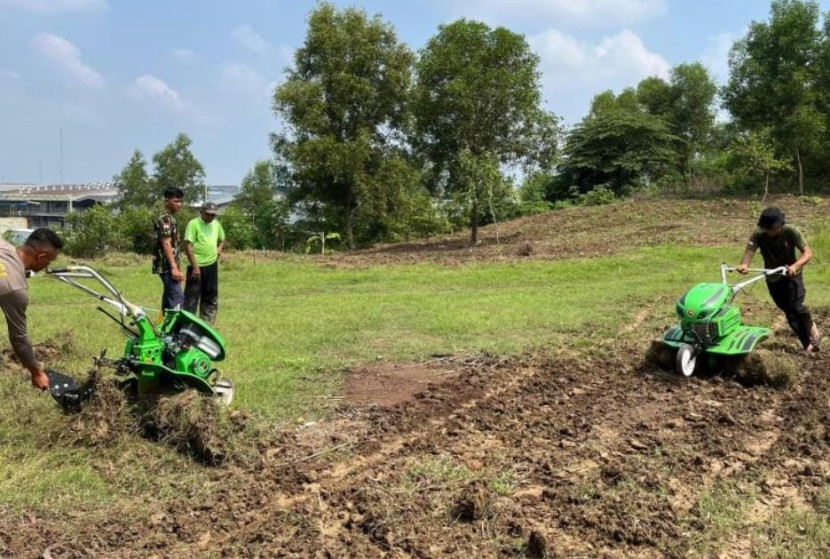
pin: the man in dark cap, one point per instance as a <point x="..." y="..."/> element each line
<point x="778" y="243"/>
<point x="204" y="241"/>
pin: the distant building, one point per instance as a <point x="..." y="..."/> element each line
<point x="221" y="195"/>
<point x="48" y="205"/>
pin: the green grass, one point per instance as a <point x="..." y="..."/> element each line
<point x="793" y="534"/>
<point x="293" y="325"/>
<point x="720" y="515"/>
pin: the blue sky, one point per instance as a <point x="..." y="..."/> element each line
<point x="116" y="75"/>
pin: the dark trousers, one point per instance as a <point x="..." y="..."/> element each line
<point x="203" y="292"/>
<point x="172" y="297"/>
<point x="788" y="294"/>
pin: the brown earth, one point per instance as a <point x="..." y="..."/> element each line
<point x="539" y="456"/>
<point x="590" y="232"/>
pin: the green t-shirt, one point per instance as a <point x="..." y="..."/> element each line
<point x="778" y="251"/>
<point x="205" y="238"/>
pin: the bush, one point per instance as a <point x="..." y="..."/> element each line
<point x="599" y="196"/>
<point x="136" y="228"/>
<point x="533" y="208"/>
<point x="239" y="229"/>
<point x="93" y="233"/>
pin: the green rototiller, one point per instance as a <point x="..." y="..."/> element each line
<point x="178" y="354"/>
<point x="710" y="322"/>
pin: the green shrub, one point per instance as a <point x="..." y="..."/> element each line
<point x="93" y="232"/>
<point x="599" y="196"/>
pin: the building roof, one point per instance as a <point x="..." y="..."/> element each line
<point x="99" y="192"/>
<point x="96" y="191"/>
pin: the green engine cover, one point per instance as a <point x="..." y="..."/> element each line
<point x="708" y="319"/>
<point x="702" y="301"/>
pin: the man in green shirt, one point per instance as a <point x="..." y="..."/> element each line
<point x="204" y="241"/>
<point x="778" y="243"/>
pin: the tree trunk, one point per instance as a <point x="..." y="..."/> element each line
<point x="800" y="173"/>
<point x="474" y="222"/>
<point x="349" y="220"/>
<point x="766" y="188"/>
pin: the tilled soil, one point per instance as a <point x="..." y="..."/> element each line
<point x="536" y="457"/>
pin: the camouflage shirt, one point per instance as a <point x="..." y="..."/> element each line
<point x="165" y="227"/>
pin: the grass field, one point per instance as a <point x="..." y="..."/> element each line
<point x="293" y="324"/>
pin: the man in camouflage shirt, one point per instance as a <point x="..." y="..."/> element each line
<point x="166" y="259"/>
<point x="778" y="243"/>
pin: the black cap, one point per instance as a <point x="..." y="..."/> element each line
<point x="771" y="218"/>
<point x="210" y="208"/>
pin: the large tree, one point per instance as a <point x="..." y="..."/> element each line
<point x="692" y="113"/>
<point x="135" y="189"/>
<point x="478" y="102"/>
<point x="617" y="149"/>
<point x="344" y="107"/>
<point x="176" y="166"/>
<point x="773" y="72"/>
<point x="686" y="103"/>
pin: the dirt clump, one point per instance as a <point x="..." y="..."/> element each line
<point x="102" y="419"/>
<point x="660" y="355"/>
<point x="190" y="422"/>
<point x="765" y="367"/>
<point x="537" y="546"/>
<point x="473" y="504"/>
<point x="525" y="249"/>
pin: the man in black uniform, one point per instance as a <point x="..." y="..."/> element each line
<point x="778" y="243"/>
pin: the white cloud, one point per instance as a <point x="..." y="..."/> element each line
<point x="56" y="6"/>
<point x="716" y="55"/>
<point x="8" y="75"/>
<point x="67" y="57"/>
<point x="573" y="71"/>
<point x="151" y="88"/>
<point x="620" y="58"/>
<point x="245" y="36"/>
<point x="183" y="56"/>
<point x="594" y="13"/>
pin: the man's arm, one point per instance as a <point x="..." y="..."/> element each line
<point x="189" y="240"/>
<point x="14" y="306"/>
<point x="167" y="247"/>
<point x="806" y="252"/>
<point x="806" y="256"/>
<point x="221" y="246"/>
<point x="746" y="260"/>
<point x="191" y="257"/>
